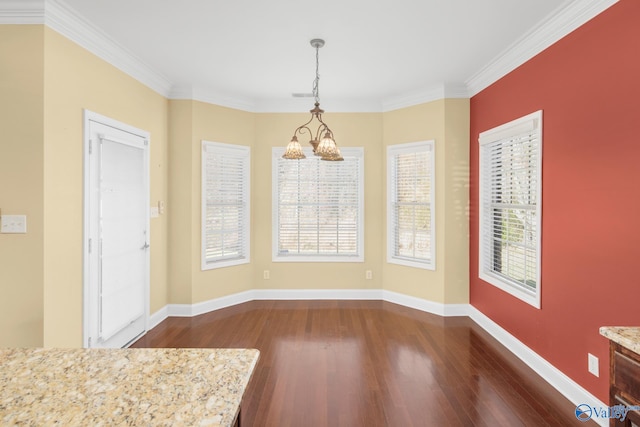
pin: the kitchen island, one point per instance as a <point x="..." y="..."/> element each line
<point x="106" y="387"/>
<point x="624" y="372"/>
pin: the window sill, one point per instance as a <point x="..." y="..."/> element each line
<point x="212" y="265"/>
<point x="317" y="258"/>
<point x="531" y="298"/>
<point x="428" y="265"/>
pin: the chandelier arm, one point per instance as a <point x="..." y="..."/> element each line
<point x="301" y="130"/>
<point x="323" y="128"/>
<point x="323" y="123"/>
<point x="318" y="133"/>
<point x="304" y="126"/>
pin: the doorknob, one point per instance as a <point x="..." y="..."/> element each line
<point x="145" y="246"/>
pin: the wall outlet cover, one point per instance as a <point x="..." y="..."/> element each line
<point x="13" y="224"/>
<point x="594" y="366"/>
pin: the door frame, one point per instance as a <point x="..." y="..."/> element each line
<point x="90" y="116"/>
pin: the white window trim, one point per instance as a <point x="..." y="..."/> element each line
<point x="530" y="122"/>
<point x="277" y="153"/>
<point x="238" y="150"/>
<point x="392" y="151"/>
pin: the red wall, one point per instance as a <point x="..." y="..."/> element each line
<point x="588" y="86"/>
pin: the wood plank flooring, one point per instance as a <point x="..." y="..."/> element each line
<point x="370" y="363"/>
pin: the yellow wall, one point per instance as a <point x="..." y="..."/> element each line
<point x="217" y="124"/>
<point x="75" y="79"/>
<point x="191" y="122"/>
<point x="351" y="130"/>
<point x="50" y="80"/>
<point x="21" y="183"/>
<point x="179" y="204"/>
<point x="456" y="191"/>
<point x="447" y="123"/>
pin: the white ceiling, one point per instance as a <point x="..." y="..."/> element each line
<point x="378" y="54"/>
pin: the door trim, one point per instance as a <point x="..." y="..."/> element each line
<point x="88" y="117"/>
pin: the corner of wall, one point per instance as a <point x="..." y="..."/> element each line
<point x="180" y="131"/>
<point x="447" y="122"/>
<point x="456" y="187"/>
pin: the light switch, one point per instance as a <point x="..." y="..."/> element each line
<point x="13" y="224"/>
<point x="154" y="212"/>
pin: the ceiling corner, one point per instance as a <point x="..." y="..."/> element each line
<point x="445" y="90"/>
<point x="558" y="24"/>
<point x="62" y="19"/>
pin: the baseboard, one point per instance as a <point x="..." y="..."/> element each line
<point x="558" y="380"/>
<point x="156" y="318"/>
<point x="219" y="303"/>
<point x="317" y="294"/>
<point x="440" y="309"/>
<point x="190" y="310"/>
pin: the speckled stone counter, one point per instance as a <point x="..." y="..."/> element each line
<point x="628" y="337"/>
<point x="108" y="387"/>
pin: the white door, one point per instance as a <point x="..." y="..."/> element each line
<point x="116" y="232"/>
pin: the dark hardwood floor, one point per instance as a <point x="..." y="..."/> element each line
<point x="370" y="363"/>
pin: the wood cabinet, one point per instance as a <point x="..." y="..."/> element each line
<point x="624" y="383"/>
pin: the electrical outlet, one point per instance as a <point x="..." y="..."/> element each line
<point x="368" y="274"/>
<point x="13" y="224"/>
<point x="594" y="366"/>
<point x="266" y="275"/>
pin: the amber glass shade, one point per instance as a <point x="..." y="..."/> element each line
<point x="294" y="150"/>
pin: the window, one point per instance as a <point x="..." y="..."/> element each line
<point x="510" y="207"/>
<point x="225" y="204"/>
<point x="410" y="205"/>
<point x="318" y="207"/>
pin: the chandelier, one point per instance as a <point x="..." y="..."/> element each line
<point x="322" y="141"/>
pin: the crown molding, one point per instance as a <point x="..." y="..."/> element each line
<point x="22" y="12"/>
<point x="413" y="98"/>
<point x="184" y="92"/>
<point x="427" y="95"/>
<point x="557" y="25"/>
<point x="61" y="18"/>
<point x="64" y="20"/>
<point x="303" y="105"/>
<point x="281" y="105"/>
<point x="458" y="90"/>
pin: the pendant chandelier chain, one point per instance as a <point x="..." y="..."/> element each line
<point x="316" y="82"/>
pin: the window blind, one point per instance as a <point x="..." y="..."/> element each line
<point x="225" y="215"/>
<point x="318" y="207"/>
<point x="410" y="204"/>
<point x="510" y="206"/>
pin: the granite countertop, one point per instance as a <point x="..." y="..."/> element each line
<point x="628" y="337"/>
<point x="106" y="387"/>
